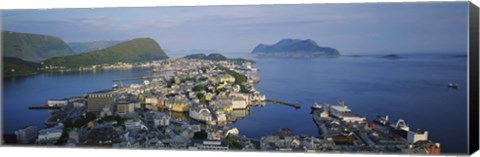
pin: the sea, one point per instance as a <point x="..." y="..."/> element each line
<point x="413" y="88"/>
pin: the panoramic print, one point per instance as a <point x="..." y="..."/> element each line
<point x="373" y="78"/>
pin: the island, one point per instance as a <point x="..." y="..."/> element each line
<point x="295" y="48"/>
<point x="392" y="56"/>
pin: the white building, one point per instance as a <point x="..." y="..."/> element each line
<point x="106" y="111"/>
<point x="345" y="114"/>
<point x="414" y="136"/>
<point x="49" y="135"/>
<point x="57" y="103"/>
<point x="201" y="114"/>
<point x="161" y="119"/>
<point x="134" y="125"/>
<point x="26" y="134"/>
<point x="208" y="145"/>
<point x="239" y="103"/>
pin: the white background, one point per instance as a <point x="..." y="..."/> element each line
<point x="48" y="4"/>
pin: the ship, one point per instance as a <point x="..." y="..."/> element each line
<point x="453" y="85"/>
<point x="316" y="106"/>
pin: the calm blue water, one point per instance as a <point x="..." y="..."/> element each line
<point x="19" y="93"/>
<point x="414" y="89"/>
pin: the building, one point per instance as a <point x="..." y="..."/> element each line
<point x="134" y="125"/>
<point x="125" y="108"/>
<point x="419" y="135"/>
<point x="239" y="102"/>
<point x="345" y="114"/>
<point x="57" y="103"/>
<point x="106" y="111"/>
<point x="27" y="134"/>
<point x="155" y="119"/>
<point x="201" y="114"/>
<point x="103" y="136"/>
<point x="208" y="145"/>
<point x="179" y="105"/>
<point x="49" y="135"/>
<point x="96" y="101"/>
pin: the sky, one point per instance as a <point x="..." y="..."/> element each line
<point x="370" y="28"/>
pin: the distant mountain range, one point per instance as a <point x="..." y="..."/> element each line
<point x="81" y="47"/>
<point x="33" y="47"/>
<point x="136" y="50"/>
<point x="295" y="48"/>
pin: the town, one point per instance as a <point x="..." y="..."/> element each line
<point x="188" y="104"/>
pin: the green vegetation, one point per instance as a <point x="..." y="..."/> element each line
<point x="198" y="88"/>
<point x="136" y="50"/>
<point x="240" y="79"/>
<point x="217" y="57"/>
<point x="212" y="56"/>
<point x="118" y="119"/>
<point x="33" y="47"/>
<point x="17" y="67"/>
<point x="81" y="47"/>
<point x="81" y="122"/>
<point x="232" y="144"/>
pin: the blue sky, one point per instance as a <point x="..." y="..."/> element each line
<point x="350" y="28"/>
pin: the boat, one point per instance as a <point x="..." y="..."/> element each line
<point x="453" y="85"/>
<point x="316" y="106"/>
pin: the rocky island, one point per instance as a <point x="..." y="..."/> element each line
<point x="296" y="48"/>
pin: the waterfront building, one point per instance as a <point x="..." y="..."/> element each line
<point x="57" y="103"/>
<point x="345" y="114"/>
<point x="239" y="102"/>
<point x="201" y="114"/>
<point x="418" y="135"/>
<point x="96" y="101"/>
<point x="79" y="103"/>
<point x="27" y="134"/>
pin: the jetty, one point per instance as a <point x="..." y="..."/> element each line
<point x="44" y="107"/>
<point x="295" y="105"/>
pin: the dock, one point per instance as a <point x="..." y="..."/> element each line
<point x="44" y="107"/>
<point x="136" y="78"/>
<point x="296" y="106"/>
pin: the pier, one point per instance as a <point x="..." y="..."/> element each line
<point x="296" y="106"/>
<point x="44" y="107"/>
<point x="135" y="78"/>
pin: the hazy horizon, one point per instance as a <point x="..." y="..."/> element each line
<point x="373" y="28"/>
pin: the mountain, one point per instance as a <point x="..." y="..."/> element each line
<point x="81" y="47"/>
<point x="17" y="67"/>
<point x="216" y="57"/>
<point x="212" y="56"/>
<point x="136" y="50"/>
<point x="294" y="48"/>
<point x="33" y="47"/>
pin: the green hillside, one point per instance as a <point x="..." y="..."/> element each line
<point x="136" y="50"/>
<point x="33" y="47"/>
<point x="17" y="67"/>
<point x="81" y="47"/>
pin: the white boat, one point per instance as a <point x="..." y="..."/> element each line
<point x="453" y="85"/>
<point x="316" y="106"/>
